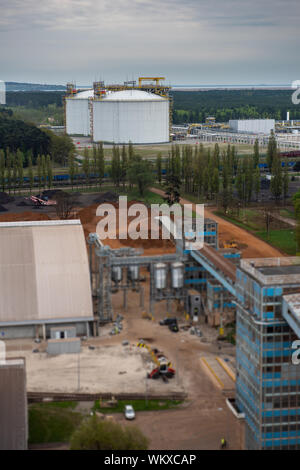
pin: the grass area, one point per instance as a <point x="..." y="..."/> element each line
<point x="52" y="422"/>
<point x="287" y="213"/>
<point x="138" y="405"/>
<point x="282" y="239"/>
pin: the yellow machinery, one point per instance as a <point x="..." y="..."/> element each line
<point x="153" y="79"/>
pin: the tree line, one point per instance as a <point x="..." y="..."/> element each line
<point x="220" y="175"/>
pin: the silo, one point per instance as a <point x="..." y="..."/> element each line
<point x="177" y="276"/>
<point x="116" y="274"/>
<point x="78" y="113"/>
<point x="134" y="273"/>
<point x="160" y="276"/>
<point x="135" y="116"/>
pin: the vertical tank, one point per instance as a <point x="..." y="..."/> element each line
<point x="160" y="276"/>
<point x="116" y="274"/>
<point x="177" y="275"/>
<point x="134" y="273"/>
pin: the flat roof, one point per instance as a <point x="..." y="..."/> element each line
<point x="272" y="271"/>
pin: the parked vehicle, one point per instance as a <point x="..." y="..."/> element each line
<point x="168" y="321"/>
<point x="129" y="412"/>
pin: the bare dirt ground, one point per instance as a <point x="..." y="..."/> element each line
<point x="251" y="246"/>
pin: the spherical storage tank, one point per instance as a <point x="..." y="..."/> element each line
<point x="78" y="113"/>
<point x="135" y="116"/>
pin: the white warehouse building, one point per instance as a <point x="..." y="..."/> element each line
<point x="133" y="116"/>
<point x="255" y="126"/>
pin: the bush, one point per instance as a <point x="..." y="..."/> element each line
<point x="97" y="434"/>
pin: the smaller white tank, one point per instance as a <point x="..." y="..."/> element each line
<point x="177" y="276"/>
<point x="116" y="274"/>
<point x="160" y="276"/>
<point x="134" y="273"/>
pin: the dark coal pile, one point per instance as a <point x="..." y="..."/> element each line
<point x="52" y="193"/>
<point x="106" y="197"/>
<point x="23" y="204"/>
<point x="3" y="209"/>
<point x="5" y="198"/>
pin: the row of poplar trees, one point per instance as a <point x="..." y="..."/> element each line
<point x="220" y="175"/>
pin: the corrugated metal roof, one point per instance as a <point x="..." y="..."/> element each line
<point x="44" y="272"/>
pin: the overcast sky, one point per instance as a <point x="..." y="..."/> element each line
<point x="188" y="41"/>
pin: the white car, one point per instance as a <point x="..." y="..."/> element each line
<point x="129" y="412"/>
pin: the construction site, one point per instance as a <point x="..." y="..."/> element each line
<point x="154" y="319"/>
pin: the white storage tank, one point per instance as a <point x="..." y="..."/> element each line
<point x="160" y="276"/>
<point x="135" y="116"/>
<point x="78" y="113"/>
<point x="177" y="276"/>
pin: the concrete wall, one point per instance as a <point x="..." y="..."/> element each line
<point x="64" y="346"/>
<point x="32" y="331"/>
<point x="13" y="405"/>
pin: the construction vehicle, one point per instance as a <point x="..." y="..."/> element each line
<point x="162" y="371"/>
<point x="42" y="201"/>
<point x="230" y="244"/>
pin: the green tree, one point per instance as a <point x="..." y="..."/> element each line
<point x="2" y="170"/>
<point x="285" y="182"/>
<point x="256" y="154"/>
<point x="8" y="169"/>
<point x="158" y="167"/>
<point x="44" y="170"/>
<point x="72" y="168"/>
<point x="49" y="171"/>
<point x="30" y="173"/>
<point x="100" y="163"/>
<point x="124" y="165"/>
<point x="20" y="172"/>
<point x="86" y="165"/>
<point x="257" y="181"/>
<point x="140" y="173"/>
<point x="97" y="434"/>
<point x="39" y="171"/>
<point x="276" y="181"/>
<point x="272" y="149"/>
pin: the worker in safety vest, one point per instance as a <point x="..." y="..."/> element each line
<point x="223" y="443"/>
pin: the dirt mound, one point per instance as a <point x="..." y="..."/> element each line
<point x="5" y="198"/>
<point x="23" y="217"/>
<point x="89" y="221"/>
<point x="23" y="204"/>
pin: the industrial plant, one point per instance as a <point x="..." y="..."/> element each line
<point x="140" y="114"/>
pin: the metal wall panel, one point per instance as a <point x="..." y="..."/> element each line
<point x="77" y="116"/>
<point x="44" y="274"/>
<point x="139" y="122"/>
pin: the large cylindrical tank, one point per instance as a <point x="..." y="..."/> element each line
<point x="160" y="276"/>
<point x="116" y="274"/>
<point x="78" y="113"/>
<point x="177" y="275"/>
<point x="133" y="116"/>
<point x="134" y="273"/>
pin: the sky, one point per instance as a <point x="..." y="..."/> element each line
<point x="190" y="42"/>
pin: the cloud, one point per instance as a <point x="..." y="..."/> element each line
<point x="54" y="37"/>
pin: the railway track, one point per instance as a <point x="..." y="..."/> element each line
<point x="39" y="397"/>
